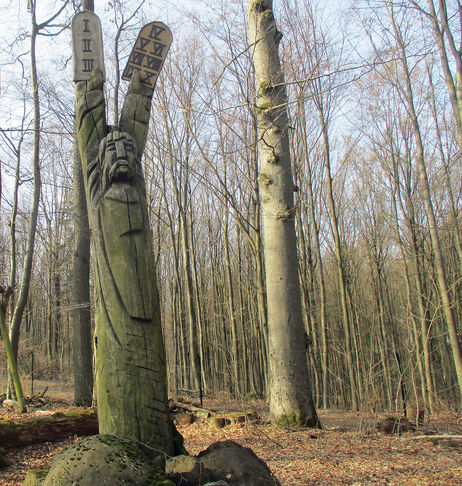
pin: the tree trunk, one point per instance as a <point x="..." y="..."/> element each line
<point x="430" y="212"/>
<point x="15" y="323"/>
<point x="320" y="266"/>
<point x="13" y="264"/>
<point x="81" y="317"/>
<point x="10" y="355"/>
<point x="236" y="382"/>
<point x="340" y="265"/>
<point x="290" y="391"/>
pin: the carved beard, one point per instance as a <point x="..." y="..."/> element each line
<point x="118" y="166"/>
<point x="121" y="171"/>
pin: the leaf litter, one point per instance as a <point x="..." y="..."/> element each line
<point x="348" y="451"/>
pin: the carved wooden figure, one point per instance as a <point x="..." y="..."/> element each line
<point x="129" y="352"/>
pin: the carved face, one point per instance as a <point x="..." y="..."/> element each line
<point x="118" y="156"/>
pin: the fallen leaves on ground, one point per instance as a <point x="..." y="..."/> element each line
<point x="348" y="451"/>
<point x="37" y="456"/>
<point x="333" y="457"/>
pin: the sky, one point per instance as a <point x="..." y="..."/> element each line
<point x="54" y="54"/>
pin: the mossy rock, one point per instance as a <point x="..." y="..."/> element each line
<point x="235" y="464"/>
<point x="105" y="460"/>
<point x="186" y="470"/>
<point x="35" y="477"/>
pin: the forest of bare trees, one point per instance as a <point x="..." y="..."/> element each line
<point x="374" y="107"/>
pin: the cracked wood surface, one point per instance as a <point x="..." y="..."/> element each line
<point x="129" y="352"/>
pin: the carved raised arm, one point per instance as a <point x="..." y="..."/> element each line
<point x="134" y="118"/>
<point x="90" y="116"/>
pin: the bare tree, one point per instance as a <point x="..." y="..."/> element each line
<point x="289" y="387"/>
<point x="82" y="339"/>
<point x="21" y="302"/>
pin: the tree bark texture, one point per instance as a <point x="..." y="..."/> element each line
<point x="10" y="355"/>
<point x="290" y="392"/>
<point x="81" y="319"/>
<point x="16" y="318"/>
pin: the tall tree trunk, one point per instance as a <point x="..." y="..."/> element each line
<point x="320" y="264"/>
<point x="236" y="384"/>
<point x="81" y="317"/>
<point x="407" y="208"/>
<point x="82" y="349"/>
<point x="13" y="263"/>
<point x="290" y="391"/>
<point x="262" y="309"/>
<point x="340" y="264"/>
<point x="10" y="355"/>
<point x="15" y="323"/>
<point x="198" y="307"/>
<point x="429" y="210"/>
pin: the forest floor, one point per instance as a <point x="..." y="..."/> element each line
<point x="347" y="451"/>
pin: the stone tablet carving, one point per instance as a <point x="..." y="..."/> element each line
<point x="149" y="53"/>
<point x="87" y="45"/>
<point x="131" y="381"/>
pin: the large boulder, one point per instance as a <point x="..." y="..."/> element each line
<point x="101" y="460"/>
<point x="186" y="470"/>
<point x="222" y="464"/>
<point x="235" y="464"/>
<point x="107" y="460"/>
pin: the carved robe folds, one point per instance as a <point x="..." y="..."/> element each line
<point x="128" y="248"/>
